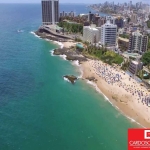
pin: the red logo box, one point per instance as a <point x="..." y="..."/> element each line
<point x="138" y="139"/>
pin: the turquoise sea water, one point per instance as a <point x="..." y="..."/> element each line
<point x="39" y="110"/>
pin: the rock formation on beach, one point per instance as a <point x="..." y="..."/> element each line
<point x="70" y="55"/>
<point x="91" y="79"/>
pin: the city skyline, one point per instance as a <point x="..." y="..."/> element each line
<point x="77" y="1"/>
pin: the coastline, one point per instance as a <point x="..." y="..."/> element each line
<point x="130" y="109"/>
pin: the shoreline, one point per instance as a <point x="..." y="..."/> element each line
<point x="115" y="106"/>
<point x="86" y="71"/>
<point x="129" y="110"/>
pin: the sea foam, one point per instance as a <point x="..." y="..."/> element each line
<point x="81" y="73"/>
<point x="66" y="79"/>
<point x="76" y="62"/>
<point x="52" y="52"/>
<point x="59" y="43"/>
<point x="35" y="34"/>
<point x="63" y="56"/>
<point x="94" y="85"/>
<point x="98" y="90"/>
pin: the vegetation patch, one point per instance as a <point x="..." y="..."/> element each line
<point x="71" y="27"/>
<point x="103" y="54"/>
<point x="124" y="36"/>
<point x="146" y="59"/>
<point x="148" y="23"/>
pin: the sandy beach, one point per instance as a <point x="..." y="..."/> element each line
<point x="69" y="44"/>
<point x="125" y="93"/>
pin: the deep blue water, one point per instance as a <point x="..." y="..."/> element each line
<point x="39" y="110"/>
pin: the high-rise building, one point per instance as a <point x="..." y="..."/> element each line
<point x="119" y="22"/>
<point x="101" y="21"/>
<point x="135" y="66"/>
<point x="138" y="42"/>
<point x="91" y="34"/>
<point x="141" y="4"/>
<point x="147" y="9"/>
<point x="90" y="16"/>
<point x="130" y="5"/>
<point x="134" y="18"/>
<point x="64" y="14"/>
<point x="113" y="4"/>
<point x="110" y="19"/>
<point x="50" y="12"/>
<point x="61" y="14"/>
<point x="137" y="5"/>
<point x="108" y="34"/>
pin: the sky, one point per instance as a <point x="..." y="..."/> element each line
<point x="71" y="1"/>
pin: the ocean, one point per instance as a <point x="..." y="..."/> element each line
<point x="39" y="110"/>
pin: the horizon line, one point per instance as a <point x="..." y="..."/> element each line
<point x="40" y="3"/>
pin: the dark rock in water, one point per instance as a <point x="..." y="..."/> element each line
<point x="71" y="78"/>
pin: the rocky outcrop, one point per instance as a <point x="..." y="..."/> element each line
<point x="70" y="55"/>
<point x="46" y="35"/>
<point x="71" y="78"/>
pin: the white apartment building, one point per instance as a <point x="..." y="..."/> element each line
<point x="111" y="19"/>
<point x="91" y="34"/>
<point x="108" y="34"/>
<point x="50" y="12"/>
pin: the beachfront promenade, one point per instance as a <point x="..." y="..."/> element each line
<point x="51" y="32"/>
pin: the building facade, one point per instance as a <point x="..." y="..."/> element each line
<point x="101" y="21"/>
<point x="50" y="12"/>
<point x="119" y="21"/>
<point x="90" y="16"/>
<point x="64" y="14"/>
<point x="108" y="34"/>
<point x="134" y="18"/>
<point x="135" y="66"/>
<point x="147" y="9"/>
<point x="91" y="34"/>
<point x="138" y="42"/>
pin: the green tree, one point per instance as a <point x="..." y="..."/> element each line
<point x="146" y="59"/>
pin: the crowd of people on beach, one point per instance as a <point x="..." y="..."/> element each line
<point x="112" y="75"/>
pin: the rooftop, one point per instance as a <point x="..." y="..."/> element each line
<point x="109" y="24"/>
<point x="137" y="33"/>
<point x="135" y="62"/>
<point x="123" y="39"/>
<point x="134" y="55"/>
<point x="91" y="28"/>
